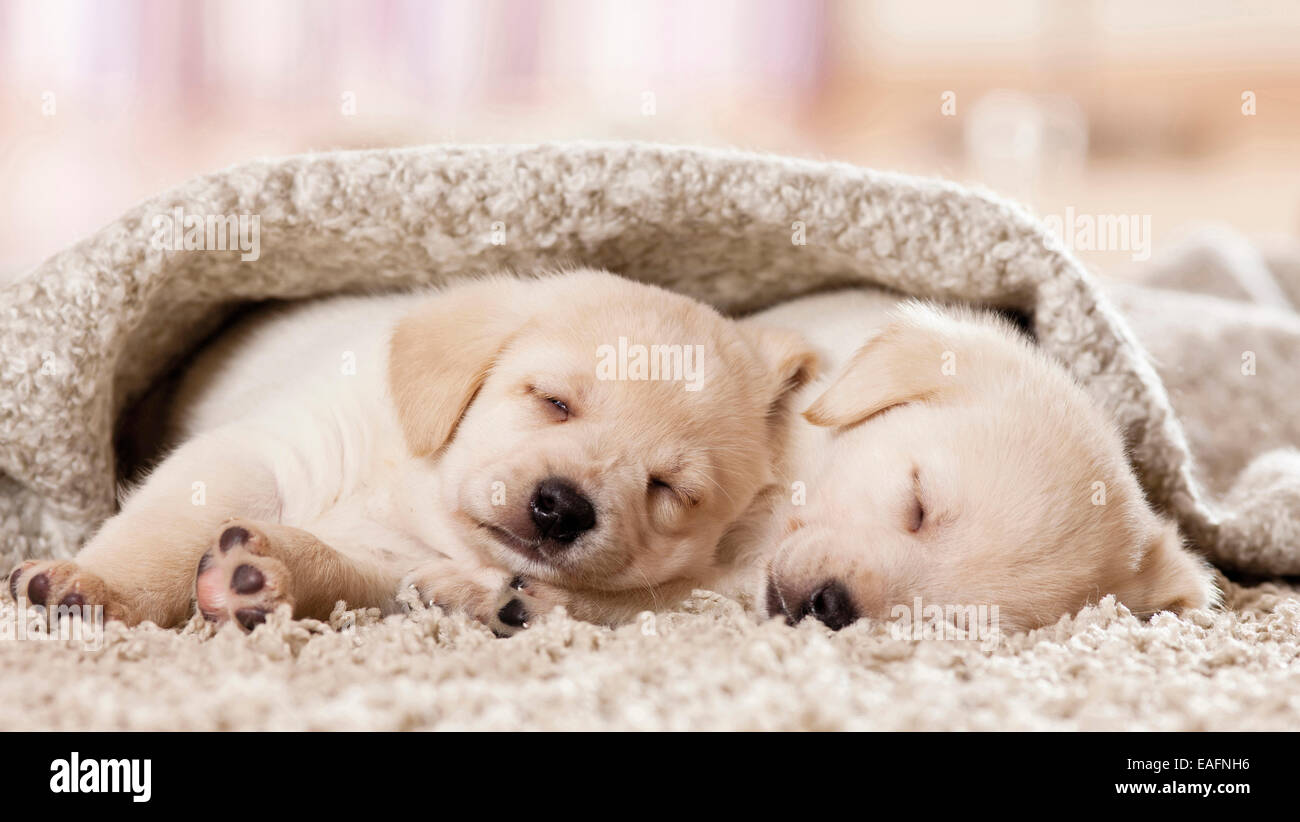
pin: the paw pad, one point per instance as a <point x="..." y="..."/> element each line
<point x="232" y="536"/>
<point x="247" y="580"/>
<point x="236" y="581"/>
<point x="250" y="618"/>
<point x="57" y="584"/>
<point x="514" y="614"/>
<point x="38" y="589"/>
<point x="73" y="600"/>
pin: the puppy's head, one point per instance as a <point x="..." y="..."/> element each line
<point x="589" y="431"/>
<point x="956" y="465"/>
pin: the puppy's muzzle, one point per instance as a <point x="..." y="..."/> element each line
<point x="560" y="511"/>
<point x="829" y="603"/>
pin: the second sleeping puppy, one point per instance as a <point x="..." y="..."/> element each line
<point x="950" y="465"/>
<point x="466" y="443"/>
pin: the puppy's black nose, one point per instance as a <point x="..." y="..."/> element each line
<point x="831" y="605"/>
<point x="560" y="511"/>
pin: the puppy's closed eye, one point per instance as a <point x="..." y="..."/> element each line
<point x="556" y="407"/>
<point x="656" y="484"/>
<point x="916" y="516"/>
<point x="916" y="510"/>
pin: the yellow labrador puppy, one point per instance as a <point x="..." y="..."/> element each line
<point x="949" y="467"/>
<point x="503" y="446"/>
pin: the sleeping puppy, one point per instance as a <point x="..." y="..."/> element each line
<point x="502" y="447"/>
<point x="951" y="465"/>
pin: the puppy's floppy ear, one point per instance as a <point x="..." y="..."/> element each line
<point x="1169" y="577"/>
<point x="907" y="361"/>
<point x="789" y="359"/>
<point x="441" y="352"/>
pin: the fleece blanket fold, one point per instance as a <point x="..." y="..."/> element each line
<point x="86" y="332"/>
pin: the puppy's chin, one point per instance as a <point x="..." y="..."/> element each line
<point x="502" y="546"/>
<point x="533" y="558"/>
<point x="494" y="539"/>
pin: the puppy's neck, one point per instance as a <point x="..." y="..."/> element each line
<point x="740" y="562"/>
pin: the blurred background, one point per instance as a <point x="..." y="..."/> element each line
<point x="1184" y="112"/>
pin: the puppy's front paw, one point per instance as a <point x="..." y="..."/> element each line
<point x="54" y="584"/>
<point x="520" y="602"/>
<point x="237" y="580"/>
<point x="474" y="590"/>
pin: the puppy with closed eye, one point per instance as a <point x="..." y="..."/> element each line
<point x="475" y="444"/>
<point x="949" y="462"/>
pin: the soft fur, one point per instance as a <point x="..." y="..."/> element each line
<point x="949" y="465"/>
<point x="352" y="448"/>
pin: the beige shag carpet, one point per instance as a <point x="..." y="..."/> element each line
<point x="708" y="666"/>
<point x="86" y="332"/>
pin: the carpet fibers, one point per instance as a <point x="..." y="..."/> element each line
<point x="708" y="665"/>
